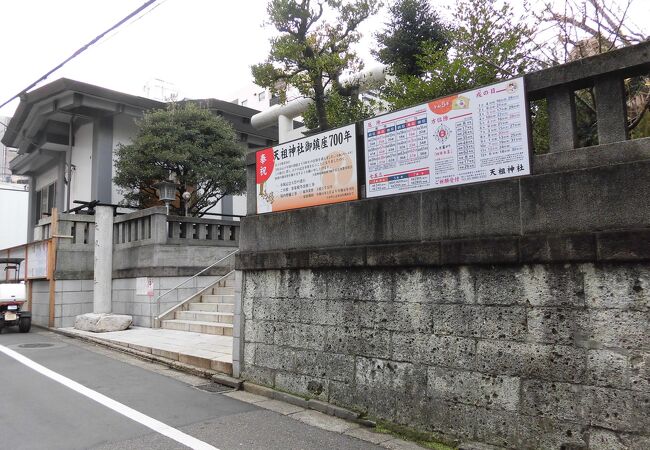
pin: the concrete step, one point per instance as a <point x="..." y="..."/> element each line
<point x="216" y="328"/>
<point x="213" y="307"/>
<point x="223" y="291"/>
<point x="205" y="316"/>
<point x="217" y="298"/>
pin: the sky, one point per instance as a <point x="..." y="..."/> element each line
<point x="204" y="47"/>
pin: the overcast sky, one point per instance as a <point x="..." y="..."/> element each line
<point x="204" y="47"/>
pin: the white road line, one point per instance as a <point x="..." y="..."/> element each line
<point x="149" y="422"/>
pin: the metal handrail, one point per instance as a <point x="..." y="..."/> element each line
<point x="157" y="300"/>
<point x="191" y="297"/>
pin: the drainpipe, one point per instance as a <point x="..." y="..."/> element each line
<point x="69" y="163"/>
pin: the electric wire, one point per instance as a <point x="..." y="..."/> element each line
<point x="82" y="49"/>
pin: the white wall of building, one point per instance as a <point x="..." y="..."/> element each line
<point x="82" y="154"/>
<point x="124" y="130"/>
<point x="14" y="201"/>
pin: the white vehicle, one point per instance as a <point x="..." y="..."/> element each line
<point x="12" y="299"/>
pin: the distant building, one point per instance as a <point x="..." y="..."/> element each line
<point x="66" y="134"/>
<point x="14" y="201"/>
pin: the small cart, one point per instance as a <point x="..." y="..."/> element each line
<point x="12" y="299"/>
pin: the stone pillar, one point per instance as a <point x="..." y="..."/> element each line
<point x="562" y="120"/>
<point x="611" y="111"/>
<point x="103" y="259"/>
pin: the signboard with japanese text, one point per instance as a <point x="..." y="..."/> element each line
<point x="315" y="170"/>
<point x="477" y="135"/>
<point x="37" y="259"/>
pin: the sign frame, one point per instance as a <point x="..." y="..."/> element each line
<point x="526" y="140"/>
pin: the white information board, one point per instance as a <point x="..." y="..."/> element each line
<point x="37" y="260"/>
<point x="477" y="135"/>
<point x="316" y="170"/>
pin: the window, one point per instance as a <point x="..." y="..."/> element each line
<point x="244" y="102"/>
<point x="45" y="200"/>
<point x="262" y="96"/>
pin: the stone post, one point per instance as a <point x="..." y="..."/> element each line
<point x="103" y="259"/>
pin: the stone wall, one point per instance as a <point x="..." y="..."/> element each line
<point x="72" y="297"/>
<point x="535" y="356"/>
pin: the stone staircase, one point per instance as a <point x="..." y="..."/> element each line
<point x="212" y="313"/>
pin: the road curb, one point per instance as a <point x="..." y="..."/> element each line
<point x="141" y="352"/>
<point x="316" y="405"/>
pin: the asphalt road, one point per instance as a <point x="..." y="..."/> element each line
<point x="37" y="412"/>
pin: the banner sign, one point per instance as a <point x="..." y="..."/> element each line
<point x="316" y="170"/>
<point x="477" y="135"/>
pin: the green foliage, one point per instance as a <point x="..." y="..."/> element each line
<point x="198" y="150"/>
<point x="539" y="123"/>
<point x="487" y="44"/>
<point x="341" y="110"/>
<point x="412" y="24"/>
<point x="311" y="53"/>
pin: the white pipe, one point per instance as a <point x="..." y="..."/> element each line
<point x="296" y="107"/>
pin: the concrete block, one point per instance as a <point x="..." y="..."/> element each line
<point x="544" y="362"/>
<point x="435" y="285"/>
<point x="322" y="312"/>
<point x="494" y="250"/>
<point x="69" y="286"/>
<point x="71" y="310"/>
<point x="325" y="365"/>
<point x="600" y="439"/>
<point x="496" y="322"/>
<point x="302" y="384"/>
<point x="617" y="409"/>
<point x="256" y="374"/>
<point x="274" y="357"/>
<point x="556" y="325"/>
<point x="291" y="399"/>
<point x="514" y="430"/>
<point x="473" y="388"/>
<point x="619" y="329"/>
<point x="562" y="401"/>
<point x="403" y="254"/>
<point x="451" y="418"/>
<point x="361" y="284"/>
<point x="639" y="368"/>
<point x="310" y="284"/>
<point x="563" y="247"/>
<point x="351" y="340"/>
<point x="258" y="389"/>
<point x="607" y="368"/>
<point x="87" y="285"/>
<point x="486" y="209"/>
<point x="547" y="200"/>
<point x="445" y="351"/>
<point x="259" y="331"/>
<point x="332" y="410"/>
<point x="261" y="283"/>
<point x="390" y="376"/>
<point x="339" y="257"/>
<point x="384" y="220"/>
<point x="297" y="335"/>
<point x="72" y="297"/>
<point x="623" y="245"/>
<point x="620" y="287"/>
<point x="393" y="316"/>
<point x="553" y="285"/>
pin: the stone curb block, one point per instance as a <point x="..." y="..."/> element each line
<point x="204" y="373"/>
<point x="316" y="405"/>
<point x="235" y="383"/>
<point x="332" y="410"/>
